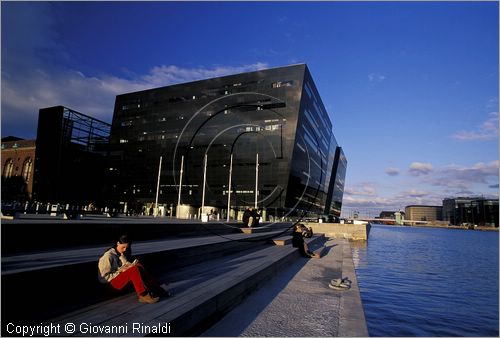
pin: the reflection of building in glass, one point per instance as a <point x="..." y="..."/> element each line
<point x="470" y="210"/>
<point x="276" y="114"/>
<point x="70" y="149"/>
<point x="427" y="213"/>
<point x="18" y="159"/>
<point x="336" y="189"/>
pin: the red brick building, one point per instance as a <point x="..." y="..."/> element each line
<point x="18" y="166"/>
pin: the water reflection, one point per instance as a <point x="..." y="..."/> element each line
<point x="428" y="282"/>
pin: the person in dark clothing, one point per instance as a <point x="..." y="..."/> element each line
<point x="248" y="217"/>
<point x="300" y="231"/>
<point x="256" y="217"/>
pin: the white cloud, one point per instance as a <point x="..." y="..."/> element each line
<point x="431" y="186"/>
<point x="419" y="168"/>
<point x="392" y="171"/>
<point x="34" y="77"/>
<point x="376" y="77"/>
<point x="362" y="189"/>
<point x="488" y="130"/>
<point x="27" y="92"/>
<point x="165" y="75"/>
<point x="462" y="177"/>
<point x="492" y="103"/>
<point x="413" y="193"/>
<point x="364" y="202"/>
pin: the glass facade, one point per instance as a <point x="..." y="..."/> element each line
<point x="334" y="204"/>
<point x="70" y="157"/>
<point x="466" y="210"/>
<point x="271" y="122"/>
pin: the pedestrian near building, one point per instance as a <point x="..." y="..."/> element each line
<point x="248" y="217"/>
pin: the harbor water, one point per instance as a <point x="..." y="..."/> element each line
<point x="429" y="281"/>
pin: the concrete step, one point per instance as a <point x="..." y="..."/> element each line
<point x="46" y="217"/>
<point x="203" y="293"/>
<point x="320" y="252"/>
<point x="299" y="303"/>
<point x="71" y="275"/>
<point x="266" y="227"/>
<point x="285" y="240"/>
<point x="92" y="216"/>
<point x="66" y="234"/>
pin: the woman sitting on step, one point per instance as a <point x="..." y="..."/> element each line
<point x="117" y="271"/>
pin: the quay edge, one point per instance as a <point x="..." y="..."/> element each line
<point x="353" y="232"/>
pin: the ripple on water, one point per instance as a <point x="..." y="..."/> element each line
<point x="429" y="282"/>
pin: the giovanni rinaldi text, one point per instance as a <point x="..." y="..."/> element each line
<point x="87" y="328"/>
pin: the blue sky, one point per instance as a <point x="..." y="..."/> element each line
<point x="411" y="88"/>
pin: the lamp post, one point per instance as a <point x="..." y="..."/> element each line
<point x="204" y="184"/>
<point x="229" y="190"/>
<point x="157" y="189"/>
<point x="256" y="179"/>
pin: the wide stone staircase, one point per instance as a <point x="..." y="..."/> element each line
<point x="209" y="275"/>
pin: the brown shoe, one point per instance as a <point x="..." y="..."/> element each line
<point x="147" y="298"/>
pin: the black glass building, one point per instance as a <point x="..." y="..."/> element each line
<point x="70" y="163"/>
<point x="271" y="123"/>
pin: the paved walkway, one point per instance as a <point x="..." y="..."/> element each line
<point x="299" y="303"/>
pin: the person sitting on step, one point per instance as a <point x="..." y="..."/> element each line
<point x="300" y="231"/>
<point x="116" y="270"/>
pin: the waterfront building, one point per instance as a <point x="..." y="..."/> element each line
<point x="427" y="213"/>
<point x="471" y="210"/>
<point x="18" y="160"/>
<point x="70" y="157"/>
<point x="390" y="214"/>
<point x="268" y="130"/>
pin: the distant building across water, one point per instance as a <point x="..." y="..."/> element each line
<point x="424" y="213"/>
<point x="471" y="210"/>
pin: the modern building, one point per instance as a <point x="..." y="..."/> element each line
<point x="427" y="213"/>
<point x="18" y="160"/>
<point x="471" y="210"/>
<point x="260" y="138"/>
<point x="390" y="214"/>
<point x="70" y="157"/>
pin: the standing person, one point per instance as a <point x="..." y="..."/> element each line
<point x="248" y="217"/>
<point x="256" y="217"/>
<point x="117" y="271"/>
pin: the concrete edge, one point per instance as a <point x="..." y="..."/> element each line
<point x="352" y="322"/>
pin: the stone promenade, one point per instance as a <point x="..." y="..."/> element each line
<point x="230" y="284"/>
<point x="298" y="302"/>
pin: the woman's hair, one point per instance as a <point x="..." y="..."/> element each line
<point x="124" y="239"/>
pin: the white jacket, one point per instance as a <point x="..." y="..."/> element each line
<point x="109" y="265"/>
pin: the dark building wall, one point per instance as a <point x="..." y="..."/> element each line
<point x="333" y="204"/>
<point x="479" y="211"/>
<point x="259" y="112"/>
<point x="47" y="183"/>
<point x="70" y="167"/>
<point x="310" y="170"/>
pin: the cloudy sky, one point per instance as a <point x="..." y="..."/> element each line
<point x="411" y="88"/>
